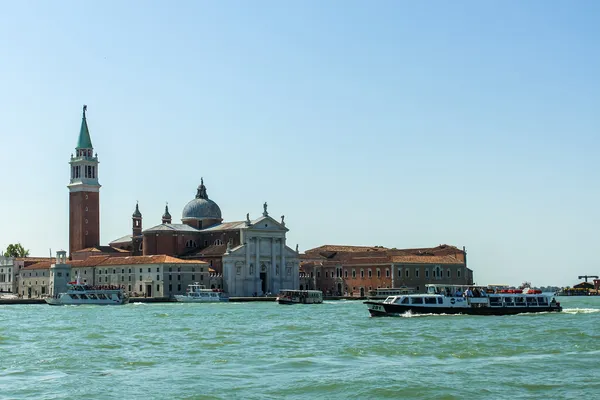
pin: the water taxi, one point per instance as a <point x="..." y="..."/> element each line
<point x="197" y="293"/>
<point x="472" y="300"/>
<point x="79" y="294"/>
<point x="300" y="297"/>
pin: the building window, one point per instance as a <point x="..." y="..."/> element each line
<point x="345" y="273"/>
<point x="399" y="273"/>
<point x="157" y="269"/>
<point x="326" y="274"/>
<point x="140" y="288"/>
<point x="158" y="277"/>
<point x="170" y="287"/>
<point x="416" y="272"/>
<point x="194" y="276"/>
<point x="179" y="287"/>
<point x="122" y="278"/>
<point x="378" y="273"/>
<point x="122" y="271"/>
<point x="140" y="277"/>
<point x="170" y="277"/>
<point x="218" y="242"/>
<point x="426" y="273"/>
<point x="106" y="279"/>
<point x="158" y="288"/>
<point x="318" y="274"/>
<point x="362" y="273"/>
<point x="387" y="272"/>
<point x="129" y="278"/>
<point x="140" y="270"/>
<point x="407" y="273"/>
<point x="178" y="277"/>
<point x="129" y="288"/>
<point x="457" y="273"/>
<point x="149" y="270"/>
<point x="129" y="270"/>
<point x="370" y="273"/>
<point x="354" y="273"/>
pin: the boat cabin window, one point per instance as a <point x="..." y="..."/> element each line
<point x="495" y="301"/>
<point x="531" y="301"/>
<point x="431" y="289"/>
<point x="430" y="300"/>
<point x="542" y="301"/>
<point x="416" y="300"/>
<point x="440" y="300"/>
<point x="404" y="300"/>
<point x="519" y="301"/>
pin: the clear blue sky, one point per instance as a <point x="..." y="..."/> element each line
<point x="388" y="123"/>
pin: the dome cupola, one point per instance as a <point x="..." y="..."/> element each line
<point x="201" y="211"/>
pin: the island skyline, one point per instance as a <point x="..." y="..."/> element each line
<point x="393" y="125"/>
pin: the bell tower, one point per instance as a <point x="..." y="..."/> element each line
<point x="84" y="193"/>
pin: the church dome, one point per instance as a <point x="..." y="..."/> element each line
<point x="201" y="207"/>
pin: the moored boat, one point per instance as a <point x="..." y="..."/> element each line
<point x="471" y="300"/>
<point x="197" y="293"/>
<point x="80" y="294"/>
<point x="288" y="296"/>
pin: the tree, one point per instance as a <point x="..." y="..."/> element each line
<point x="16" y="250"/>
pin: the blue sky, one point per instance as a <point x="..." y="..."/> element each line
<point x="388" y="123"/>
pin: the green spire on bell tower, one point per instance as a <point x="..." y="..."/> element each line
<point x="84" y="142"/>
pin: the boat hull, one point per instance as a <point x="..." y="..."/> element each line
<point x="379" y="309"/>
<point x="289" y="302"/>
<point x="72" y="302"/>
<point x="186" y="299"/>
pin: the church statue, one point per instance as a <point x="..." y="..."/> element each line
<point x="283" y="220"/>
<point x="296" y="248"/>
<point x="265" y="209"/>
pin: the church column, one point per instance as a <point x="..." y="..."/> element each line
<point x="273" y="277"/>
<point x="247" y="268"/>
<point x="282" y="270"/>
<point x="258" y="289"/>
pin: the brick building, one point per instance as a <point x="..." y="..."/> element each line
<point x="354" y="270"/>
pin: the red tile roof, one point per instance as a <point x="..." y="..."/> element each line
<point x="95" y="261"/>
<point x="101" y="249"/>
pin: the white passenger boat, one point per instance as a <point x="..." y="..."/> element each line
<point x="78" y="294"/>
<point x="300" y="297"/>
<point x="197" y="293"/>
<point x="472" y="300"/>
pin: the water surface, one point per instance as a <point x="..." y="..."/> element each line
<point x="268" y="351"/>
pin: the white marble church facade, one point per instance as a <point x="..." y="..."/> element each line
<point x="262" y="263"/>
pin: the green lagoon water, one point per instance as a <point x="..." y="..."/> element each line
<point x="268" y="351"/>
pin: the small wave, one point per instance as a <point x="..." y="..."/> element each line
<point x="161" y="315"/>
<point x="409" y="314"/>
<point x="140" y="363"/>
<point x="139" y="304"/>
<point x="581" y="310"/>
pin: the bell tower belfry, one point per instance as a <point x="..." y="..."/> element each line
<point x="84" y="193"/>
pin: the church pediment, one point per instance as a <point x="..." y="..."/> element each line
<point x="266" y="223"/>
